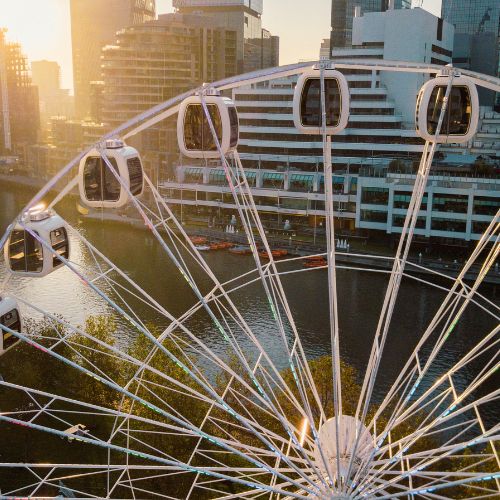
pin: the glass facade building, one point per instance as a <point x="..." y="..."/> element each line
<point x="477" y="38"/>
<point x="343" y="13"/>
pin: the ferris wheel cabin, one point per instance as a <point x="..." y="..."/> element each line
<point x="461" y="116"/>
<point x="24" y="252"/>
<point x="98" y="184"/>
<point x="307" y="108"/>
<point x="10" y="318"/>
<point x="194" y="133"/>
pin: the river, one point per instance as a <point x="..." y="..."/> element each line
<point x="142" y="258"/>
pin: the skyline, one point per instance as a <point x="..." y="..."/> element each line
<point x="24" y="23"/>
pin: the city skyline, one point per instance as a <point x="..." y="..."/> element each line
<point x="23" y="20"/>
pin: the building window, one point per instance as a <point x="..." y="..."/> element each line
<point x="450" y="203"/>
<point x="399" y="221"/>
<point x="402" y="200"/>
<point x="486" y="206"/>
<point x="273" y="180"/>
<point x="375" y="196"/>
<point x="374" y="216"/>
<point x="451" y="225"/>
<point x="193" y="176"/>
<point x="300" y="182"/>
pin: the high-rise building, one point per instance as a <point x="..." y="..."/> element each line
<point x="54" y="101"/>
<point x="477" y="38"/>
<point x="19" y="110"/>
<point x="155" y="61"/>
<point x="94" y="24"/>
<point x="343" y="13"/>
<point x="256" y="47"/>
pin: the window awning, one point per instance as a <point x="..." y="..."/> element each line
<point x="335" y="179"/>
<point x="302" y="178"/>
<point x="273" y="176"/>
<point x="194" y="171"/>
<point x="217" y="175"/>
<point x="250" y="175"/>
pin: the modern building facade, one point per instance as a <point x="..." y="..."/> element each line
<point x="343" y="12"/>
<point x="477" y="39"/>
<point x="374" y="159"/>
<point x="19" y="109"/>
<point x="94" y="24"/>
<point x="256" y="47"/>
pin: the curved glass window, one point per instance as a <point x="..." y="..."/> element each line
<point x="135" y="175"/>
<point x="310" y="102"/>
<point x="11" y="320"/>
<point x="458" y="113"/>
<point x="59" y="242"/>
<point x="25" y="252"/>
<point x="99" y="182"/>
<point x="197" y="133"/>
<point x="235" y="132"/>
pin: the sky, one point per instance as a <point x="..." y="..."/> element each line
<point x="44" y="30"/>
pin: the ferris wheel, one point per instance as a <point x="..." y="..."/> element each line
<point x="174" y="417"/>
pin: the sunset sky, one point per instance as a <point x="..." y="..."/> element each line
<point x="43" y="27"/>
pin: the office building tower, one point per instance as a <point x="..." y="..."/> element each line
<point x="19" y="110"/>
<point x="54" y="101"/>
<point x="343" y="14"/>
<point x="256" y="47"/>
<point x="94" y="24"/>
<point x="477" y="39"/>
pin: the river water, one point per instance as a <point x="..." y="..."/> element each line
<point x="142" y="258"/>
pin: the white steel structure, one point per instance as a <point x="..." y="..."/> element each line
<point x="254" y="431"/>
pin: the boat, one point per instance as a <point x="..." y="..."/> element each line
<point x="241" y="250"/>
<point x="216" y="246"/>
<point x="202" y="248"/>
<point x="315" y="263"/>
<point x="275" y="253"/>
<point x="313" y="258"/>
<point x="198" y="240"/>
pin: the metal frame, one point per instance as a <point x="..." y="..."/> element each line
<point x="284" y="457"/>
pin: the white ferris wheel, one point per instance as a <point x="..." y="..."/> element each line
<point x="178" y="419"/>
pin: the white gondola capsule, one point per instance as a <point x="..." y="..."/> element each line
<point x="11" y="318"/>
<point x="25" y="255"/>
<point x="194" y="134"/>
<point x="307" y="114"/>
<point x="462" y="114"/>
<point x="98" y="185"/>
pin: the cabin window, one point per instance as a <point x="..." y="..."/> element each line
<point x="197" y="133"/>
<point x="310" y="103"/>
<point x="458" y="114"/>
<point x="233" y="120"/>
<point x="100" y="183"/>
<point x="59" y="242"/>
<point x="25" y="252"/>
<point x="135" y="175"/>
<point x="12" y="321"/>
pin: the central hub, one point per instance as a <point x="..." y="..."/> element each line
<point x="349" y="429"/>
